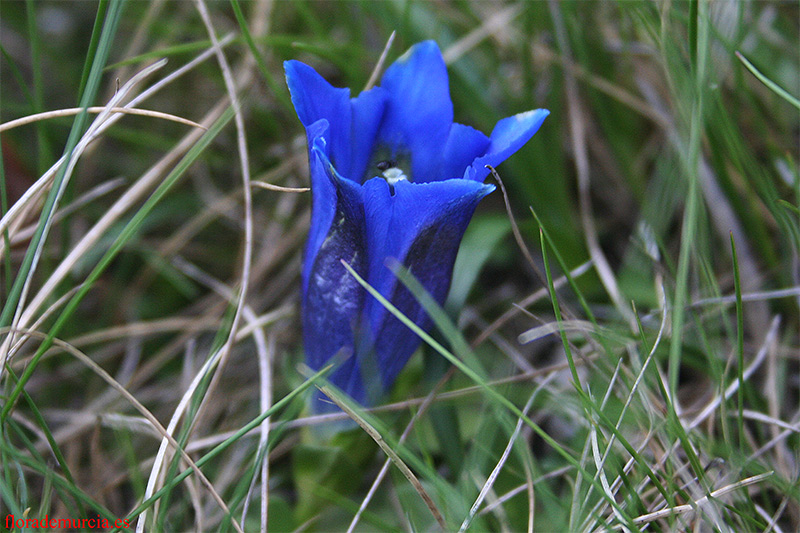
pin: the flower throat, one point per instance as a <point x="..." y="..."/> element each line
<point x="390" y="165"/>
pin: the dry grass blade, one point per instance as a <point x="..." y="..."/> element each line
<point x="278" y="188"/>
<point x="499" y="466"/>
<point x="97" y="127"/>
<point x="772" y="521"/>
<point x="694" y="506"/>
<point x="265" y="350"/>
<point x="748" y="297"/>
<point x="583" y="326"/>
<point x="96" y="110"/>
<point x="104" y="188"/>
<point x="266" y="356"/>
<point x="373" y="78"/>
<point x="530" y="300"/>
<point x="601" y="473"/>
<point x="773" y="442"/>
<point x="611" y="89"/>
<point x="378" y="438"/>
<point x="492" y="25"/>
<point x="527" y="485"/>
<point x="515" y="228"/>
<point x="761" y="417"/>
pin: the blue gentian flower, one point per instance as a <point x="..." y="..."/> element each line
<point x="392" y="177"/>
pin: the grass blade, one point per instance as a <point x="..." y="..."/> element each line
<point x="777" y="89"/>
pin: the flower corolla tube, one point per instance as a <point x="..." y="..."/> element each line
<point x="392" y="176"/>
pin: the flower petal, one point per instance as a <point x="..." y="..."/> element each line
<point x="508" y="136"/>
<point x="419" y="111"/>
<point x="367" y="112"/>
<point x="421" y="225"/>
<point x="323" y="195"/>
<point x="314" y="99"/>
<point x="333" y="300"/>
<point x="464" y="144"/>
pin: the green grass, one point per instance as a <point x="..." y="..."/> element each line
<point x="150" y="296"/>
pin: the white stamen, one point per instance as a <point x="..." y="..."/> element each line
<point x="393" y="175"/>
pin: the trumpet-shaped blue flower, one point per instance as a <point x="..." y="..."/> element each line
<point x="392" y="176"/>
